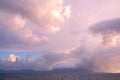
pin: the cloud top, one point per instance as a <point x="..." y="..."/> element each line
<point x="30" y="22"/>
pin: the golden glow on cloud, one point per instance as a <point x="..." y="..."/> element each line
<point x="116" y="71"/>
<point x="12" y="58"/>
<point x="60" y="12"/>
<point x="67" y="12"/>
<point x="111" y="41"/>
<point x="51" y="29"/>
<point x="56" y="14"/>
<point x="109" y="70"/>
<point x="108" y="62"/>
<point x="112" y="70"/>
<point x="54" y="29"/>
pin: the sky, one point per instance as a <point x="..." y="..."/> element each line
<point x="55" y="34"/>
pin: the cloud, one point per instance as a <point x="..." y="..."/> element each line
<point x="30" y="25"/>
<point x="109" y="30"/>
<point x="106" y="59"/>
<point x="46" y="61"/>
<point x="107" y="26"/>
<point x="39" y="12"/>
<point x="30" y="22"/>
<point x="13" y="58"/>
<point x="85" y="57"/>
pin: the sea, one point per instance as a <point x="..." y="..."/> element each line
<point x="59" y="76"/>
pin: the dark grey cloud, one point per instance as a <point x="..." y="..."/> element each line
<point x="106" y="27"/>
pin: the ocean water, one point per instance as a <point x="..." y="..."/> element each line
<point x="60" y="76"/>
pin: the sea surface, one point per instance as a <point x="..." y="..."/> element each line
<point x="60" y="76"/>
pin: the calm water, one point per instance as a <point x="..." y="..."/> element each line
<point x="76" y="76"/>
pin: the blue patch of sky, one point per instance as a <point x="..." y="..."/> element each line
<point x="4" y="55"/>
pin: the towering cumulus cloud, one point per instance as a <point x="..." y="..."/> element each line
<point x="29" y="22"/>
<point x="108" y="57"/>
<point x="52" y="34"/>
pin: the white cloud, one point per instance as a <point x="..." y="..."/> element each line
<point x="13" y="58"/>
<point x="32" y="21"/>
